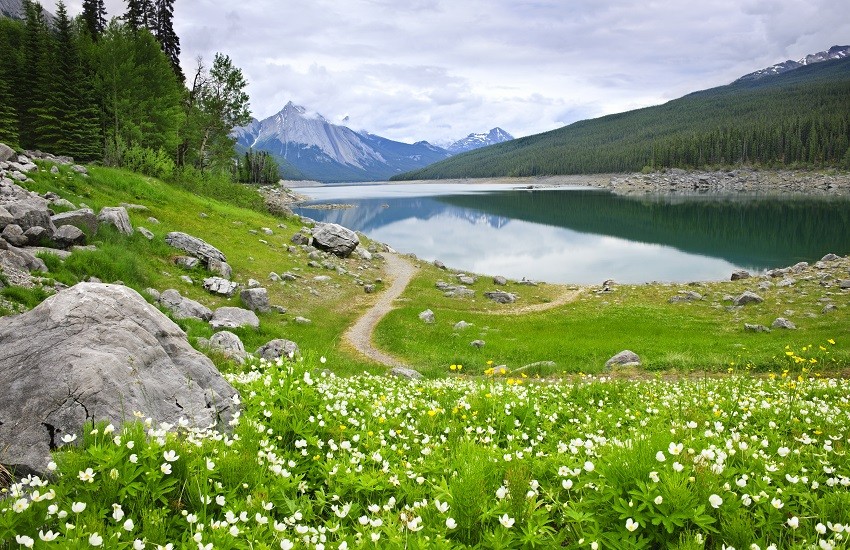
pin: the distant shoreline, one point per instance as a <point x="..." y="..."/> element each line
<point x="671" y="182"/>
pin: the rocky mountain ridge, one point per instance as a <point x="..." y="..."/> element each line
<point x="476" y="141"/>
<point x="835" y="52"/>
<point x="328" y="152"/>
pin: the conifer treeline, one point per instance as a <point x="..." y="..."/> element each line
<point x="798" y="119"/>
<point x="114" y="92"/>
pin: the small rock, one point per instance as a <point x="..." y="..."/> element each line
<point x="14" y="235"/>
<point x="300" y="238"/>
<point x="830" y="258"/>
<point x="501" y="297"/>
<point x="254" y="283"/>
<point x="427" y="316"/>
<point x="187" y="279"/>
<point x="685" y="296"/>
<point x="146" y="233"/>
<point x="765" y="285"/>
<point x="786" y="282"/>
<point x="478" y="344"/>
<point x="303" y="321"/>
<point x="439" y="265"/>
<point x="153" y="293"/>
<point x="228" y="344"/>
<point x="153" y="220"/>
<point x="187" y="261"/>
<point x="335" y="239"/>
<point x="829" y="308"/>
<point x="404" y="372"/>
<point x="844" y="284"/>
<point x="499" y="280"/>
<point x="220" y="286"/>
<point x="267" y="231"/>
<point x="782" y="322"/>
<point x="233" y="317"/>
<point x="274" y="277"/>
<point x="275" y="349"/>
<point x="460" y="292"/>
<point x="117" y="217"/>
<point x="462" y="325"/>
<point x="321" y="278"/>
<point x="255" y="299"/>
<point x="288" y="276"/>
<point x="182" y="307"/>
<point x="54" y="170"/>
<point x="799" y="267"/>
<point x="739" y="274"/>
<point x="466" y="280"/>
<point x="369" y="289"/>
<point x="755" y="328"/>
<point x="625" y="358"/>
<point x="748" y="297"/>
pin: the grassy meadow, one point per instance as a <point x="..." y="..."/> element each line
<point x="722" y="439"/>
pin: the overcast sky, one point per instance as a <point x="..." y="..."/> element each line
<point x="441" y="69"/>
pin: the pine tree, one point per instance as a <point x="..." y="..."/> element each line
<point x="164" y="32"/>
<point x="94" y="16"/>
<point x="139" y="14"/>
<point x="10" y="33"/>
<point x="34" y="86"/>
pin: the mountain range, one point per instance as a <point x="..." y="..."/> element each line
<point x="15" y="10"/>
<point x="798" y="116"/>
<point x="308" y="146"/>
<point x="835" y="52"/>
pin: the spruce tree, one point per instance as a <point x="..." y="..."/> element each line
<point x="94" y="16"/>
<point x="8" y="115"/>
<point x="34" y="86"/>
<point x="10" y="44"/>
<point x="164" y="32"/>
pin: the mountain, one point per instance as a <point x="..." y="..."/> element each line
<point x="476" y="141"/>
<point x="329" y="152"/>
<point x="15" y="9"/>
<point x="835" y="52"/>
<point x="798" y="118"/>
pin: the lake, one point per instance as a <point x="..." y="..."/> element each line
<point x="585" y="236"/>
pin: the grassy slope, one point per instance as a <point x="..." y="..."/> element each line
<point x="578" y="336"/>
<point x="140" y="263"/>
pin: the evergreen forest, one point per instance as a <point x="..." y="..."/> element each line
<point x="798" y="119"/>
<point x="113" y="92"/>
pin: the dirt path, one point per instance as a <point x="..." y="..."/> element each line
<point x="359" y="335"/>
<point x="400" y="272"/>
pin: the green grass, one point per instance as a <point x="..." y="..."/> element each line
<point x="582" y="335"/>
<point x="231" y="223"/>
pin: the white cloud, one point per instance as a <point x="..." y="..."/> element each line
<point x="440" y="69"/>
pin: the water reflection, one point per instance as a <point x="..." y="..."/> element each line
<point x="586" y="236"/>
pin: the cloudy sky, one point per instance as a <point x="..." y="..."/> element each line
<point x="441" y="69"/>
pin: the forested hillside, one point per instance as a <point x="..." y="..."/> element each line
<point x="113" y="92"/>
<point x="800" y="118"/>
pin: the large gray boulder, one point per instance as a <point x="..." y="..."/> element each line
<point x="278" y="348"/>
<point x="31" y="212"/>
<point x="6" y="218"/>
<point x="255" y="299"/>
<point x="19" y="259"/>
<point x="116" y="216"/>
<point x="97" y="352"/>
<point x="184" y="308"/>
<point x="195" y="247"/>
<point x="233" y="317"/>
<point x="335" y="239"/>
<point x="67" y="236"/>
<point x="83" y="218"/>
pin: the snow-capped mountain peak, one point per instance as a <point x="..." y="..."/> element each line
<point x="325" y="151"/>
<point x="835" y="52"/>
<point x="476" y="141"/>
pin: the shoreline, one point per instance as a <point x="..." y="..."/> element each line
<point x="829" y="183"/>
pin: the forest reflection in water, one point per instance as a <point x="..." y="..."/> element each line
<point x="585" y="236"/>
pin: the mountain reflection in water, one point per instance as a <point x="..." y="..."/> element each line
<point x="586" y="236"/>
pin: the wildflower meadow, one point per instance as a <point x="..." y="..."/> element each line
<point x="318" y="461"/>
